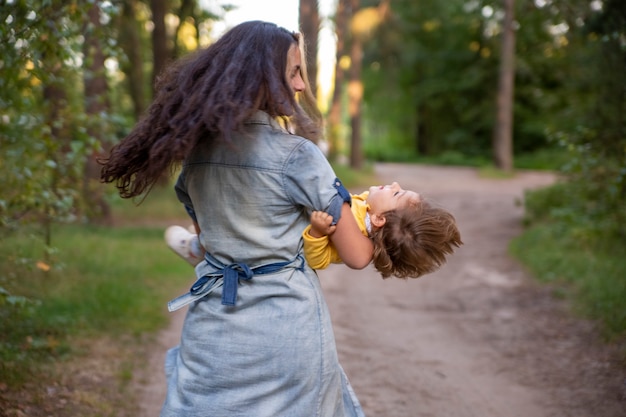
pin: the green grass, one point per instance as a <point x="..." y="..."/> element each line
<point x="101" y="281"/>
<point x="542" y="159"/>
<point x="355" y="179"/>
<point x="593" y="274"/>
<point x="491" y="172"/>
<point x="160" y="204"/>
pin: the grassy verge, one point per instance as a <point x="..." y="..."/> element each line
<point x="95" y="299"/>
<point x="592" y="274"/>
<point x="355" y="180"/>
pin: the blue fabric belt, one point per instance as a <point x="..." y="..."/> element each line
<point x="228" y="276"/>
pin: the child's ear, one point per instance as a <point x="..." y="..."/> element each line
<point x="378" y="220"/>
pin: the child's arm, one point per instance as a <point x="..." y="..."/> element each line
<point x="318" y="250"/>
<point x="355" y="248"/>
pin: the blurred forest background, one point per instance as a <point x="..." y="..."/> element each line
<point x="526" y="84"/>
<point x="535" y="84"/>
<point x="414" y="81"/>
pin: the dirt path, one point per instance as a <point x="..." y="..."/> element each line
<point x="477" y="338"/>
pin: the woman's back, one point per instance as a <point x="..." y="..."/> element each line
<point x="249" y="196"/>
<point x="272" y="353"/>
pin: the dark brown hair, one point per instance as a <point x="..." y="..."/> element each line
<point x="414" y="241"/>
<point x="208" y="95"/>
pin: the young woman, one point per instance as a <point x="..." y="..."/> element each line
<point x="257" y="338"/>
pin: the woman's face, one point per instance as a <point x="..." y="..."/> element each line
<point x="294" y="73"/>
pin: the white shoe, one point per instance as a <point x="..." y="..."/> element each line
<point x="181" y="241"/>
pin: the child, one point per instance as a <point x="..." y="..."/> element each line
<point x="411" y="237"/>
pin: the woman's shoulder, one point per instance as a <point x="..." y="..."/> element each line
<point x="277" y="137"/>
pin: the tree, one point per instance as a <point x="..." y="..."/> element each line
<point x="355" y="89"/>
<point x="160" y="51"/>
<point x="334" y="114"/>
<point x="309" y="20"/>
<point x="96" y="104"/>
<point x="43" y="141"/>
<point x="429" y="78"/>
<point x="428" y="74"/>
<point x="364" y="24"/>
<point x="503" y="129"/>
<point x="133" y="65"/>
<point x="186" y="11"/>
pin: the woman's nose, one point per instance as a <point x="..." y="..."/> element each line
<point x="298" y="84"/>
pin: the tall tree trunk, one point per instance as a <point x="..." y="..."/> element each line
<point x="131" y="44"/>
<point x="161" y="53"/>
<point x="334" y="114"/>
<point x="56" y="112"/>
<point x="355" y="95"/>
<point x="187" y="9"/>
<point x="159" y="38"/>
<point x="309" y="19"/>
<point x="56" y="106"/>
<point x="503" y="130"/>
<point x="95" y="103"/>
<point x="422" y="139"/>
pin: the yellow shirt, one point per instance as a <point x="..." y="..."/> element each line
<point x="319" y="252"/>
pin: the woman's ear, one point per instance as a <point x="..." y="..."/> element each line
<point x="378" y="220"/>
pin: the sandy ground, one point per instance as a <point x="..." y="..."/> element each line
<point x="476" y="339"/>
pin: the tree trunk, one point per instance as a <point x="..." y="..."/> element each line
<point x="309" y="20"/>
<point x="131" y="44"/>
<point x="161" y="53"/>
<point x="355" y="96"/>
<point x="96" y="103"/>
<point x="56" y="110"/>
<point x="187" y="9"/>
<point x="334" y="114"/>
<point x="422" y="141"/>
<point x="159" y="38"/>
<point x="503" y="130"/>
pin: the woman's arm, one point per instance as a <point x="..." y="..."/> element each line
<point x="354" y="248"/>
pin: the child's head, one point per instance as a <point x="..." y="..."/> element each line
<point x="384" y="198"/>
<point x="411" y="237"/>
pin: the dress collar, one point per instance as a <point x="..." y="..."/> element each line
<point x="262" y="118"/>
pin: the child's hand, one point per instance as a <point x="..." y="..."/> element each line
<point x="320" y="224"/>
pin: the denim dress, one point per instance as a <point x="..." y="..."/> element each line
<point x="259" y="341"/>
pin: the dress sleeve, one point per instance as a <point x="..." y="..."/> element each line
<point x="311" y="182"/>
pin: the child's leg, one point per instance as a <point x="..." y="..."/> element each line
<point x="184" y="244"/>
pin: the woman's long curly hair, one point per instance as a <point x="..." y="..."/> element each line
<point x="209" y="94"/>
<point x="414" y="241"/>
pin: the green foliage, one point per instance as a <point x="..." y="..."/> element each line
<point x="591" y="271"/>
<point x="114" y="281"/>
<point x="44" y="138"/>
<point x="161" y="205"/>
<point x="430" y="76"/>
<point x="590" y="201"/>
<point x="576" y="236"/>
<point x="355" y="180"/>
<point x="593" y="196"/>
